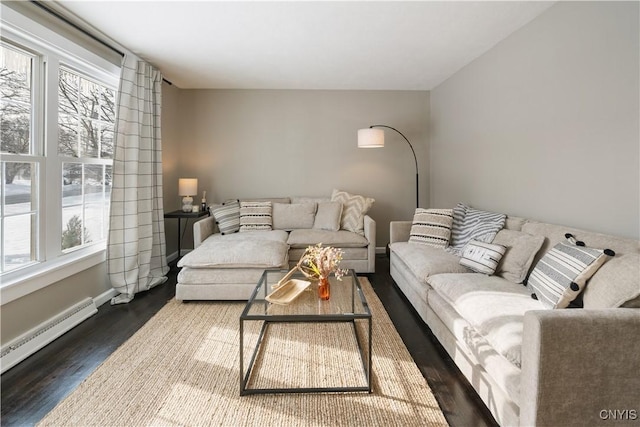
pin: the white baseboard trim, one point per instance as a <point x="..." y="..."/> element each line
<point x="381" y="249"/>
<point x="105" y="297"/>
<point x="31" y="341"/>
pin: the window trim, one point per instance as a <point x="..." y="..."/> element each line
<point x="20" y="29"/>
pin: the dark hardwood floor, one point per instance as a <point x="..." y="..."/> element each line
<point x="32" y="388"/>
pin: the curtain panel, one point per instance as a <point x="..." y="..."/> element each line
<point x="136" y="251"/>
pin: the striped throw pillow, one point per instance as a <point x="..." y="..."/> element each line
<point x="431" y="227"/>
<point x="255" y="216"/>
<point x="473" y="224"/>
<point x="561" y="274"/>
<point x="482" y="257"/>
<point x="227" y="216"/>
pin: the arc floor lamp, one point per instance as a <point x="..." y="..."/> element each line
<point x="372" y="137"/>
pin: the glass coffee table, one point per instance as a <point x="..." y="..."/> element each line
<point x="267" y="332"/>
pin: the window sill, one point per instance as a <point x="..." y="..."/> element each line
<point x="44" y="274"/>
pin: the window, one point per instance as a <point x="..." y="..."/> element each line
<point x="20" y="161"/>
<point x="86" y="120"/>
<point x="57" y="122"/>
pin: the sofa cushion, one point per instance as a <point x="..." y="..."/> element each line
<point x="482" y="257"/>
<point x="354" y="208"/>
<point x="424" y="261"/>
<point x="561" y="274"/>
<point x="328" y="216"/>
<point x="255" y="216"/>
<point x="431" y="227"/>
<point x="470" y="223"/>
<point x="306" y="199"/>
<point x="227" y="216"/>
<point x="521" y="250"/>
<point x="290" y="216"/>
<point x="241" y="250"/>
<point x="494" y="306"/>
<point x="616" y="284"/>
<point x="340" y="239"/>
<point x="554" y="234"/>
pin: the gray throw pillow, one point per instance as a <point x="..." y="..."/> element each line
<point x="521" y="251"/>
<point x="473" y="224"/>
<point x="328" y="216"/>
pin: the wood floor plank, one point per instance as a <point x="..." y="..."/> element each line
<point x="34" y="387"/>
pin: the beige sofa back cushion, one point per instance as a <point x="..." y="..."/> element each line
<point x="554" y="234"/>
<point x="293" y="216"/>
<point x="616" y="284"/>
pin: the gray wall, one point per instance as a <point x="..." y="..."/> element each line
<point x="171" y="149"/>
<point x="24" y="314"/>
<point x="545" y="125"/>
<point x="261" y="143"/>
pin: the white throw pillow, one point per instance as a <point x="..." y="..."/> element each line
<point x="561" y="274"/>
<point x="255" y="216"/>
<point x="227" y="216"/>
<point x="431" y="227"/>
<point x="482" y="257"/>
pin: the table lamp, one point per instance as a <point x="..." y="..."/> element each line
<point x="187" y="187"/>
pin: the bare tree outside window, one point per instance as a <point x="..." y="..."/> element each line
<point x="15" y="106"/>
<point x="86" y="122"/>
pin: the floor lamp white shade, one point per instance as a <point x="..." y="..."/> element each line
<point x="373" y="137"/>
<point x="370" y="138"/>
<point x="187" y="187"/>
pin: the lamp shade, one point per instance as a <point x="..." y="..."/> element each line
<point x="370" y="138"/>
<point x="187" y="186"/>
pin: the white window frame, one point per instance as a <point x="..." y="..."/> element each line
<point x="53" y="264"/>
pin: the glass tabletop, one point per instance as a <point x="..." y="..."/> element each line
<point x="347" y="300"/>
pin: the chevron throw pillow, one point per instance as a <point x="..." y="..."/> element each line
<point x="354" y="208"/>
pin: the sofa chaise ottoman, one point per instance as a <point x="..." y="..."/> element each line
<point x="530" y="364"/>
<point x="228" y="266"/>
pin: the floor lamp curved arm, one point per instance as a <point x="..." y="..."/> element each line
<point x="415" y="159"/>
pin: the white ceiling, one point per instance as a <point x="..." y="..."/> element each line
<point x="383" y="45"/>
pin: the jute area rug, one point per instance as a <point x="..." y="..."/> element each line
<point x="182" y="369"/>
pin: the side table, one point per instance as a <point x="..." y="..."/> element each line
<point x="186" y="215"/>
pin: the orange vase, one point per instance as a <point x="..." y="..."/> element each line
<point x="324" y="288"/>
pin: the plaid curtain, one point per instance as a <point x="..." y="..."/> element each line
<point x="136" y="251"/>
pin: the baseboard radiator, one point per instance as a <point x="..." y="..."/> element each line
<point x="25" y="345"/>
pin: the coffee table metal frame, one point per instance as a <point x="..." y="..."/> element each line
<point x="262" y="289"/>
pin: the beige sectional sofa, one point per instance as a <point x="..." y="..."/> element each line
<point x="228" y="267"/>
<point x="529" y="364"/>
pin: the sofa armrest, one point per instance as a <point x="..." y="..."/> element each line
<point x="370" y="234"/>
<point x="203" y="229"/>
<point x="580" y="367"/>
<point x="399" y="231"/>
